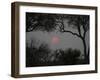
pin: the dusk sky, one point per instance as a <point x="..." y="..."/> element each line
<point x="55" y="40"/>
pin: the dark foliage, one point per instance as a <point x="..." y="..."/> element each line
<point x="79" y="20"/>
<point x="42" y="56"/>
<point x="36" y="56"/>
<point x="71" y="57"/>
<point x="40" y="21"/>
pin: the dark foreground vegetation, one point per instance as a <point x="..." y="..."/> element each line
<point x="43" y="56"/>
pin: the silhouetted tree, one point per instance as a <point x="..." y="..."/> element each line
<point x="78" y="22"/>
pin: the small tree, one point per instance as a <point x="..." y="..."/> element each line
<point x="78" y="22"/>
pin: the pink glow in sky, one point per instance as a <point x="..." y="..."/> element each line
<point x="55" y="40"/>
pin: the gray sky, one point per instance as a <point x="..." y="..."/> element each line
<point x="65" y="40"/>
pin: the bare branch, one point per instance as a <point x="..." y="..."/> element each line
<point x="72" y="33"/>
<point x="79" y="30"/>
<point x="62" y="29"/>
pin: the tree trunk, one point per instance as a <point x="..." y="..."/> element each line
<point x="85" y="51"/>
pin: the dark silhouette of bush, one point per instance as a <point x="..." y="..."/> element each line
<point x="70" y="56"/>
<point x="66" y="57"/>
<point x="31" y="58"/>
<point x="42" y="53"/>
<point x="41" y="56"/>
<point x="37" y="56"/>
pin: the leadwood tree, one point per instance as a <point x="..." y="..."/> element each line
<point x="81" y="24"/>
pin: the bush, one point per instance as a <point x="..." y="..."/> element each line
<point x="70" y="56"/>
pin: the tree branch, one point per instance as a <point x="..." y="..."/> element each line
<point x="72" y="33"/>
<point x="84" y="31"/>
<point x="62" y="29"/>
<point x="79" y="30"/>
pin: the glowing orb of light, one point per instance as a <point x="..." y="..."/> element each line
<point x="55" y="40"/>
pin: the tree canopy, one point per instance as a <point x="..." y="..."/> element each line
<point x="40" y="21"/>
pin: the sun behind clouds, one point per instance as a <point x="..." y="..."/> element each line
<point x="55" y="40"/>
